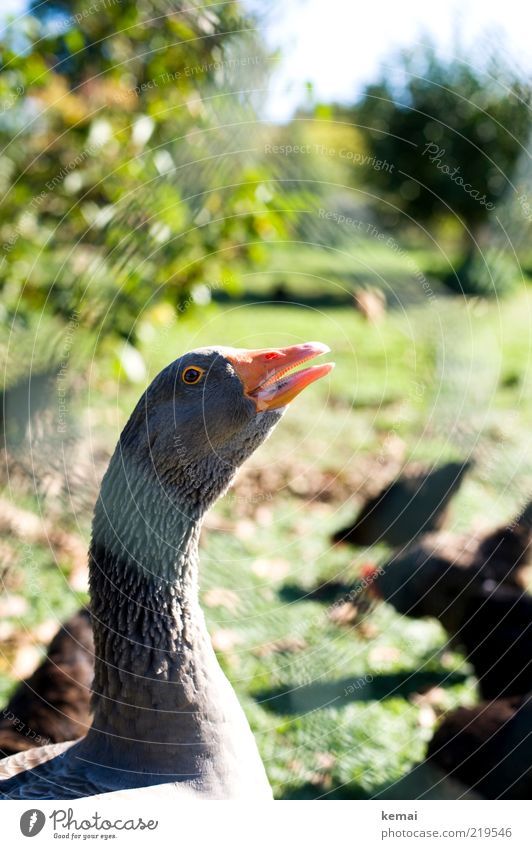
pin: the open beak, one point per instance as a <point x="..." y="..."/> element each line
<point x="267" y="373"/>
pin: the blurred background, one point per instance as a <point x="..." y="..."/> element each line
<point x="175" y="175"/>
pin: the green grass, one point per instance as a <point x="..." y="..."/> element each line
<point x="432" y="383"/>
<point x="329" y="274"/>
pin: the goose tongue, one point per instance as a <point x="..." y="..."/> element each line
<point x="265" y="375"/>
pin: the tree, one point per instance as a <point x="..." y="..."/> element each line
<point x="128" y="172"/>
<point x="453" y="133"/>
<point x="125" y="180"/>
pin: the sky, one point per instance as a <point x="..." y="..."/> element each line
<point x="338" y="45"/>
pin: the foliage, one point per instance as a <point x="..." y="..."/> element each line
<point x="127" y="173"/>
<point x="453" y="130"/>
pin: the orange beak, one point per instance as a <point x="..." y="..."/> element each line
<point x="264" y="372"/>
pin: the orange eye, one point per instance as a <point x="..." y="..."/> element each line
<point x="192" y="374"/>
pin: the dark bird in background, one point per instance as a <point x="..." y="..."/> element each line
<point x="438" y="575"/>
<point x="497" y="636"/>
<point x="507" y="552"/>
<point x="493" y="624"/>
<point x="53" y="705"/>
<point x="488" y="747"/>
<point x="413" y="504"/>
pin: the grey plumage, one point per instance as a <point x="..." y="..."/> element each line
<point x="163" y="710"/>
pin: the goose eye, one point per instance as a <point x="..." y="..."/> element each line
<point x="192" y="374"/>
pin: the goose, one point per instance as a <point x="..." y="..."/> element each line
<point x="493" y="623"/>
<point x="164" y="713"/>
<point x="487" y="747"/>
<point x="496" y="635"/>
<point x="53" y="704"/>
<point x="442" y="567"/>
<point x="412" y="504"/>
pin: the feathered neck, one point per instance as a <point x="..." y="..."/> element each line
<point x="157" y="683"/>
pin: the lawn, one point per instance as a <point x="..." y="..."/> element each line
<point x="339" y="709"/>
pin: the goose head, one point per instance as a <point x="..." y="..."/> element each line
<point x="210" y="409"/>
